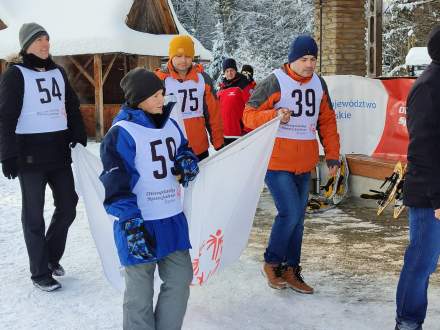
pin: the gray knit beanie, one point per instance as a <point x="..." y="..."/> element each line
<point x="29" y="32"/>
<point x="138" y="85"/>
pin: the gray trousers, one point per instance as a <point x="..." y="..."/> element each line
<point x="176" y="273"/>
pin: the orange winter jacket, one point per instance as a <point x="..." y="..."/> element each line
<point x="297" y="156"/>
<point x="196" y="127"/>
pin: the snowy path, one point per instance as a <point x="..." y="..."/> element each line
<point x="352" y="292"/>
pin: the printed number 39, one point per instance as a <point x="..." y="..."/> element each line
<point x="171" y="148"/>
<point x="310" y="101"/>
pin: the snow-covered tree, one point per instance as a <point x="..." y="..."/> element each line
<point x="406" y="24"/>
<point x="254" y="32"/>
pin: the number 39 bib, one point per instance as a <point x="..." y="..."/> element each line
<point x="189" y="95"/>
<point x="157" y="190"/>
<point x="43" y="107"/>
<point x="304" y="101"/>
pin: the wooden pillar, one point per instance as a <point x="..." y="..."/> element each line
<point x="99" y="100"/>
<point x="2" y="66"/>
<point x="340" y="33"/>
<point x="374" y="40"/>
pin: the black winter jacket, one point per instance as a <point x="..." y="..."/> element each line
<point x="422" y="182"/>
<point x="42" y="151"/>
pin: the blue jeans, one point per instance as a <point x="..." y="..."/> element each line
<point x="420" y="262"/>
<point x="290" y="193"/>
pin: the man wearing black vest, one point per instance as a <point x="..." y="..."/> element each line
<point x="39" y="119"/>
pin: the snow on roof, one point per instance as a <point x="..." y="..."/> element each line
<point x="85" y="27"/>
<point x="418" y="56"/>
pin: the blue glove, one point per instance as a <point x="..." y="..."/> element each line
<point x="186" y="165"/>
<point x="140" y="242"/>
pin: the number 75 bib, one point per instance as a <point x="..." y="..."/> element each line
<point x="304" y="101"/>
<point x="189" y="94"/>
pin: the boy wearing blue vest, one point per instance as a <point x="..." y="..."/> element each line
<point x="145" y="158"/>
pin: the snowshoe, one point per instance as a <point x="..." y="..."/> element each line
<point x="341" y="182"/>
<point x="390" y="183"/>
<point x="398" y="201"/>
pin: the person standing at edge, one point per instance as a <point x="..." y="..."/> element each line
<point x="39" y="118"/>
<point x="196" y="94"/>
<point x="300" y="98"/>
<point x="421" y="193"/>
<point x="235" y="90"/>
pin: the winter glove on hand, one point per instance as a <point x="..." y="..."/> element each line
<point x="138" y="239"/>
<point x="10" y="168"/>
<point x="186" y="165"/>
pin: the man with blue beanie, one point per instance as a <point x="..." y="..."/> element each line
<point x="299" y="96"/>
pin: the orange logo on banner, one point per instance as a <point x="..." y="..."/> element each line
<point x="208" y="259"/>
<point x="394" y="141"/>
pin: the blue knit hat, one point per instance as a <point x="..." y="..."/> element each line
<point x="303" y="45"/>
<point x="229" y="63"/>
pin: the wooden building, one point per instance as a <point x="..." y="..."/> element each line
<point x="119" y="36"/>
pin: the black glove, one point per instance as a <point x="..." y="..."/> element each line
<point x="10" y="168"/>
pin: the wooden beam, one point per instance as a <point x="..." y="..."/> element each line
<point x="90" y="60"/>
<point x="107" y="71"/>
<point x="99" y="99"/>
<point x="82" y="70"/>
<point x="164" y="10"/>
<point x="374" y="38"/>
<point x="126" y="64"/>
<point x="370" y="167"/>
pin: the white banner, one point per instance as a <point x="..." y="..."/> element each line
<point x="360" y="105"/>
<point x="220" y="204"/>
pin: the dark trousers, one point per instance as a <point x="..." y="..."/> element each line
<point x="46" y="247"/>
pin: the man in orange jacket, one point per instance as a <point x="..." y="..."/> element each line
<point x="196" y="96"/>
<point x="300" y="98"/>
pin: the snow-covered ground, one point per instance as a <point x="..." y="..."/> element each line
<point x="352" y="260"/>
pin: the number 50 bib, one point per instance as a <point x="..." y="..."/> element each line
<point x="157" y="190"/>
<point x="304" y="101"/>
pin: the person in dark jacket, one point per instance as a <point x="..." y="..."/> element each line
<point x="235" y="90"/>
<point x="421" y="192"/>
<point x="39" y="118"/>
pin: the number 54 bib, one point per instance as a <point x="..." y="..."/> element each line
<point x="43" y="107"/>
<point x="304" y="101"/>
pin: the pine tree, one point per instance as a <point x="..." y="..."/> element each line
<point x="219" y="54"/>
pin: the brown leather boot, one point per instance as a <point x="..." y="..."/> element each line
<point x="295" y="281"/>
<point x="273" y="276"/>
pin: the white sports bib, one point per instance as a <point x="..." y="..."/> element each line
<point x="189" y="95"/>
<point x="43" y="107"/>
<point x="304" y="100"/>
<point x="157" y="190"/>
